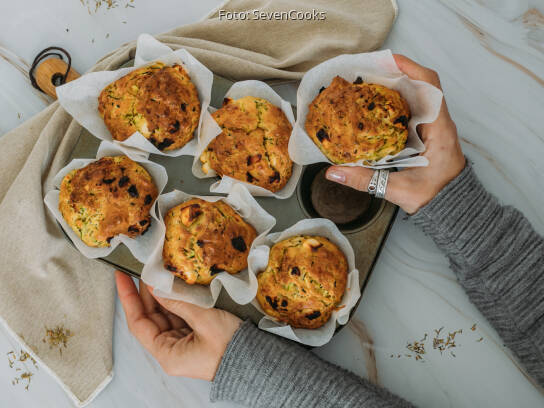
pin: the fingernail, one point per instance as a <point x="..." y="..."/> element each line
<point x="336" y="175"/>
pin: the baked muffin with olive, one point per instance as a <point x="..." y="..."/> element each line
<point x="252" y="146"/>
<point x="204" y="238"/>
<point x="158" y="101"/>
<point x="108" y="197"/>
<point x="304" y="281"/>
<point x="354" y="121"/>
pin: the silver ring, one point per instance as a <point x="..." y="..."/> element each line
<point x="382" y="183"/>
<point x="373" y="185"/>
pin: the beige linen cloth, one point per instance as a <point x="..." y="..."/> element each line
<point x="43" y="281"/>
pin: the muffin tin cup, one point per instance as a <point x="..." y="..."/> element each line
<point x="210" y="130"/>
<point x="258" y="260"/>
<point x="241" y="287"/>
<point x="377" y="67"/>
<point x="80" y="97"/>
<point x="141" y="246"/>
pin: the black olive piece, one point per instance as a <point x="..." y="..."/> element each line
<point x="273" y="303"/>
<point x="371" y="106"/>
<point x="214" y="269"/>
<point x="164" y="144"/>
<point x="200" y="243"/>
<point x="313" y="315"/>
<point x="133" y="228"/>
<point x="358" y="80"/>
<point x="239" y="244"/>
<point x="183" y="107"/>
<point x="275" y="177"/>
<point x="108" y="181"/>
<point x="108" y="240"/>
<point x="284" y="303"/>
<point x="250" y="178"/>
<point x="403" y="120"/>
<point x="360" y="126"/>
<point x="171" y="268"/>
<point x="142" y="222"/>
<point x="173" y="129"/>
<point x="123" y="181"/>
<point x="322" y="89"/>
<point x="146" y="229"/>
<point x="133" y="191"/>
<point x="148" y="199"/>
<point x="322" y="135"/>
<point x="226" y="101"/>
<point x="194" y="211"/>
<point x="295" y="271"/>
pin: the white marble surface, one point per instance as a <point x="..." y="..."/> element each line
<point x="490" y="56"/>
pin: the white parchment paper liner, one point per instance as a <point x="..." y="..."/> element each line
<point x="377" y="67"/>
<point x="80" y="97"/>
<point x="258" y="260"/>
<point x="210" y="130"/>
<point x="141" y="246"/>
<point x="241" y="287"/>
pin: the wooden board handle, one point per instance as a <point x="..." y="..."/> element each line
<point x="48" y="73"/>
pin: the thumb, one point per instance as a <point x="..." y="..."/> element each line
<point x="354" y="177"/>
<point x="192" y="314"/>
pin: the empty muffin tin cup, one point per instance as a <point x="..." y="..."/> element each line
<point x="351" y="210"/>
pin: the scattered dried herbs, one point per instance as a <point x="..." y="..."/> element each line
<point x="94" y="5"/>
<point x="441" y="341"/>
<point x="57" y="337"/>
<point x="417" y="347"/>
<point x="18" y="362"/>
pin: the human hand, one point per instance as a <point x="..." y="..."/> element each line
<point x="414" y="187"/>
<point x="185" y="339"/>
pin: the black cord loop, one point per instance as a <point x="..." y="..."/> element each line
<point x="45" y="54"/>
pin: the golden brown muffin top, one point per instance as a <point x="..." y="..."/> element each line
<point x="353" y="121"/>
<point x="158" y="101"/>
<point x="110" y="196"/>
<point x="304" y="281"/>
<point x="204" y="238"/>
<point x="253" y="144"/>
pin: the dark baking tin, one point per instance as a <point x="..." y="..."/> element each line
<point x="367" y="232"/>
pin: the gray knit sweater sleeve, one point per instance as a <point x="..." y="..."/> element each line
<point x="262" y="370"/>
<point x="499" y="260"/>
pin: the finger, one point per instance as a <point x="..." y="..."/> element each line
<point x="354" y="177"/>
<point x="153" y="310"/>
<point x="144" y="329"/>
<point x="175" y="322"/>
<point x="192" y="314"/>
<point x="416" y="71"/>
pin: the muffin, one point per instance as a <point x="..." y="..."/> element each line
<point x="253" y="144"/>
<point x="108" y="197"/>
<point x="205" y="238"/>
<point x="354" y="121"/>
<point x="158" y="101"/>
<point x="304" y="281"/>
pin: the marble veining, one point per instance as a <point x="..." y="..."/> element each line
<point x="490" y="57"/>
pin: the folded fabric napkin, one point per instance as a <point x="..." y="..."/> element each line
<point x="45" y="283"/>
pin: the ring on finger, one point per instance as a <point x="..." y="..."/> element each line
<point x="373" y="184"/>
<point x="381" y="187"/>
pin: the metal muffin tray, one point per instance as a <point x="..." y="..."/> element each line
<point x="363" y="219"/>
